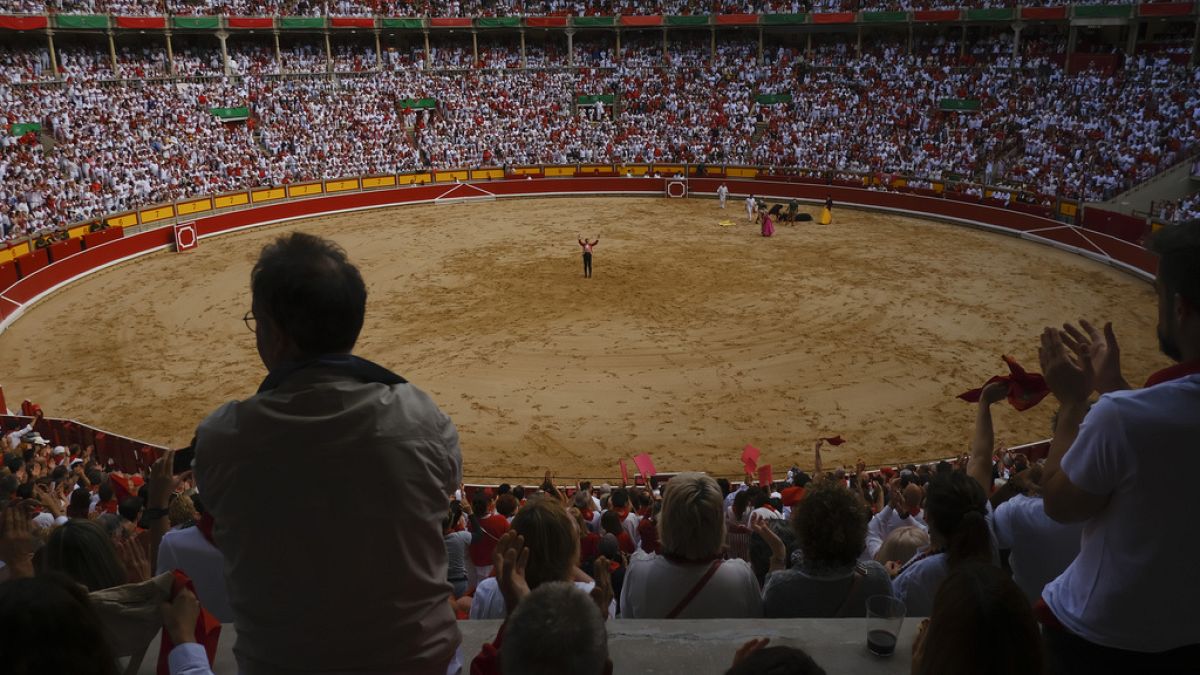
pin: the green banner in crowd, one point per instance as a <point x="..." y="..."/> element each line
<point x="196" y="22"/>
<point x="772" y="99"/>
<point x="409" y="24"/>
<point x="22" y="128"/>
<point x="784" y="19"/>
<point x="686" y="20"/>
<point x="992" y="14"/>
<point x="294" y="22"/>
<point x="960" y="104"/>
<point x="231" y="114"/>
<point x="80" y="21"/>
<point x="417" y="103"/>
<point x="590" y="99"/>
<point x="1103" y="11"/>
<point x="593" y="21"/>
<point x="498" y="22"/>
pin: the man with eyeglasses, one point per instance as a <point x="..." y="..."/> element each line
<point x="353" y="577"/>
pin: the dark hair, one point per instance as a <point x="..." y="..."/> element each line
<point x="758" y="497"/>
<point x="1178" y="249"/>
<point x="981" y="623"/>
<point x="955" y="506"/>
<point x="553" y="543"/>
<point x="309" y="289"/>
<point x="105" y="491"/>
<point x="479" y="504"/>
<point x="37" y="613"/>
<point x="504" y="489"/>
<point x="585" y="486"/>
<point x="777" y="661"/>
<point x="518" y="492"/>
<point x="620" y="498"/>
<point x="129" y="508"/>
<point x="506" y="505"/>
<point x="14" y="462"/>
<point x="59" y="473"/>
<point x="25" y="491"/>
<point x="610" y="522"/>
<point x="94" y="476"/>
<point x="724" y="483"/>
<point x="740" y="501"/>
<point x="8" y="485"/>
<point x="82" y="550"/>
<point x="831" y="525"/>
<point x="81" y="502"/>
<point x="452" y="516"/>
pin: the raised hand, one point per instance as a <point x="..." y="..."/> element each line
<point x="180" y="615"/>
<point x="162" y="482"/>
<point x="510" y="558"/>
<point x="993" y="393"/>
<point x="778" y="550"/>
<point x="1066" y="367"/>
<point x="16" y="541"/>
<point x="749" y="648"/>
<point x="1103" y="352"/>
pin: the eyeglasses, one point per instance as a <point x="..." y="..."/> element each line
<point x="250" y="321"/>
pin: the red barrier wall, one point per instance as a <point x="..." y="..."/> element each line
<point x="32" y="262"/>
<point x="63" y="249"/>
<point x="101" y="236"/>
<point x="964" y="208"/>
<point x="8" y="274"/>
<point x="1117" y="225"/>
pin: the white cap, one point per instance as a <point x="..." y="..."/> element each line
<point x="58" y="450"/>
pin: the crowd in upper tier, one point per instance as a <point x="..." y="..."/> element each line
<point x="488" y="8"/>
<point x="107" y="146"/>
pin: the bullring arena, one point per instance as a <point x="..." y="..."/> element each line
<point x="692" y="340"/>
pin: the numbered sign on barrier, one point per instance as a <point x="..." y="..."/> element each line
<point x="186" y="237"/>
<point x="677" y="187"/>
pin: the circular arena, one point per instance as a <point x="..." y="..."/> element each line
<point x="692" y="340"/>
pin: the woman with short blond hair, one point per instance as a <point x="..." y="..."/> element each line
<point x="690" y="579"/>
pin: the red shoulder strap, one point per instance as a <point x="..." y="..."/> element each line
<point x="687" y="599"/>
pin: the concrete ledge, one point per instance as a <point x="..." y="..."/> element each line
<point x="683" y="647"/>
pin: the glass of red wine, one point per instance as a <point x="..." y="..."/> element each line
<point x="885" y="615"/>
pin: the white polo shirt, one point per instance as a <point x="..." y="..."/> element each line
<point x="1131" y="586"/>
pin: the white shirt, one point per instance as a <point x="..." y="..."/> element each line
<point x="1041" y="547"/>
<point x="189" y="551"/>
<point x="654" y="586"/>
<point x="14" y="439"/>
<point x="488" y="602"/>
<point x="764" y="512"/>
<point x="884" y="523"/>
<point x="917" y="584"/>
<point x="1131" y="586"/>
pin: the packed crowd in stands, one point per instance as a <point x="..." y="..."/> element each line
<point x="1179" y="210"/>
<point x="1037" y="129"/>
<point x="489" y="8"/>
<point x="1056" y="564"/>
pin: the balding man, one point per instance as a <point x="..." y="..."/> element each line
<point x="904" y="510"/>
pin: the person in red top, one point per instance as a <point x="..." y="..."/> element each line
<point x="610" y="522"/>
<point x="587" y="256"/>
<point x="486" y="529"/>
<point x="648" y="531"/>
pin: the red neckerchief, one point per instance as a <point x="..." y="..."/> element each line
<point x="644" y="513"/>
<point x="587" y="514"/>
<point x="1174" y="373"/>
<point x="768" y="506"/>
<point x="623" y="512"/>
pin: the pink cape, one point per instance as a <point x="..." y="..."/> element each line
<point x="768" y="226"/>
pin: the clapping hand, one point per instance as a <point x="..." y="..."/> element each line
<point x="510" y="559"/>
<point x="133" y="558"/>
<point x="1066" y="367"/>
<point x="1102" y="351"/>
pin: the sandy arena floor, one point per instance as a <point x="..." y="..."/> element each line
<point x="690" y="341"/>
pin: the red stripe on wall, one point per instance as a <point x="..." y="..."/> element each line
<point x="641" y="21"/>
<point x="1165" y="9"/>
<point x="737" y="19"/>
<point x="451" y="22"/>
<point x="833" y="17"/>
<point x="1043" y="13"/>
<point x="142" y="22"/>
<point x="23" y="22"/>
<point x="250" y="22"/>
<point x="351" y="22"/>
<point x="546" y="21"/>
